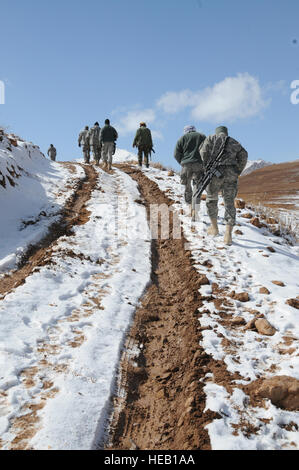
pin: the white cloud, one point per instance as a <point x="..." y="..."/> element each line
<point x="233" y="98"/>
<point x="131" y="120"/>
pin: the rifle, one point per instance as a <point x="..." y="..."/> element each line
<point x="211" y="170"/>
<point x="151" y="150"/>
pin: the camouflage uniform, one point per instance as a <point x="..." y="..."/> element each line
<point x="143" y="140"/>
<point x="234" y="162"/>
<point x="52" y="153"/>
<point x="84" y="143"/>
<point x="94" y="142"/>
<point x="187" y="154"/>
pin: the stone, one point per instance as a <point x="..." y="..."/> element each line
<point x="238" y="321"/>
<point x="264" y="290"/>
<point x="282" y="391"/>
<point x="293" y="303"/>
<point x="240" y="204"/>
<point x="264" y="327"/>
<point x="278" y="283"/>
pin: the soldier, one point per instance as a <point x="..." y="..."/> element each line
<point x="84" y="143"/>
<point x="234" y="162"/>
<point x="108" y="137"/>
<point x="94" y="142"/>
<point x="188" y="156"/>
<point x="144" y="142"/>
<point x="52" y="153"/>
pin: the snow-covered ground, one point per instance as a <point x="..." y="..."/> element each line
<point x="32" y="192"/>
<point x="246" y="266"/>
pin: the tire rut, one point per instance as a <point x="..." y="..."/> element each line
<point x="73" y="213"/>
<point x="164" y="402"/>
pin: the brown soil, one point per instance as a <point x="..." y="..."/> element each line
<point x="268" y="185"/>
<point x="74" y="213"/>
<point x="165" y="401"/>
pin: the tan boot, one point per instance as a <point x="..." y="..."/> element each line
<point x="228" y="235"/>
<point x="213" y="229"/>
<point x="104" y="165"/>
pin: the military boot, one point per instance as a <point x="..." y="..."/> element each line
<point x="228" y="235"/>
<point x="213" y="229"/>
<point x="109" y="166"/>
<point x="104" y="165"/>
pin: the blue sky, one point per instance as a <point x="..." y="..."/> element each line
<point x="67" y="63"/>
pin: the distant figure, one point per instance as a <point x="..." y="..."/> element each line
<point x="234" y="161"/>
<point x="144" y="142"/>
<point x="188" y="156"/>
<point x="94" y="142"/>
<point x="108" y="139"/>
<point x="52" y="153"/>
<point x="83" y="142"/>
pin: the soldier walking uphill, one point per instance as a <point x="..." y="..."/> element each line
<point x="108" y="139"/>
<point x="94" y="142"/>
<point x="188" y="156"/>
<point x="52" y="153"/>
<point x="144" y="142"/>
<point x="233" y="163"/>
<point x="83" y="142"/>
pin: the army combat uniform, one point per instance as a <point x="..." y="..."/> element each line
<point x="234" y="161"/>
<point x="94" y="142"/>
<point x="188" y="156"/>
<point x="52" y="153"/>
<point x="144" y="142"/>
<point x="84" y="143"/>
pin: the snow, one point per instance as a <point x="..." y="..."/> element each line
<point x="246" y="266"/>
<point x="38" y="195"/>
<point x="62" y="331"/>
<point x="253" y="165"/>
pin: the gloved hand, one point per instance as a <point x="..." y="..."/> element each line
<point x="79" y="145"/>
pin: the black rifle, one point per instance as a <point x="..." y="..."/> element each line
<point x="211" y="170"/>
<point x="151" y="150"/>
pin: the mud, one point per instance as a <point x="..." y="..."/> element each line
<point x="164" y="402"/>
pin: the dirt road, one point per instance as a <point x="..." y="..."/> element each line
<point x="164" y="403"/>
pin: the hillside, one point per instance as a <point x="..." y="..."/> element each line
<point x="253" y="165"/>
<point x="275" y="186"/>
<point x="123" y="330"/>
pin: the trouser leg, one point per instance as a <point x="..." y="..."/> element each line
<point x="140" y="156"/>
<point x="230" y="191"/>
<point x="212" y="197"/>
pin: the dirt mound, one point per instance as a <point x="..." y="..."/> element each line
<point x="282" y="391"/>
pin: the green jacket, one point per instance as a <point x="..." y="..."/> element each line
<point x="187" y="148"/>
<point x="108" y="134"/>
<point x="143" y="139"/>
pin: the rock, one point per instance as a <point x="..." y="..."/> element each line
<point x="264" y="290"/>
<point x="247" y="216"/>
<point x="204" y="197"/>
<point x="271" y="249"/>
<point x="271" y="221"/>
<point x="171" y="173"/>
<point x="238" y="321"/>
<point x="251" y="325"/>
<point x="264" y="327"/>
<point x="203" y="280"/>
<point x="257" y="223"/>
<point x="282" y="391"/>
<point x="293" y="303"/>
<point x="239" y="232"/>
<point x="240" y="204"/>
<point x="242" y="297"/>
<point x="278" y="283"/>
